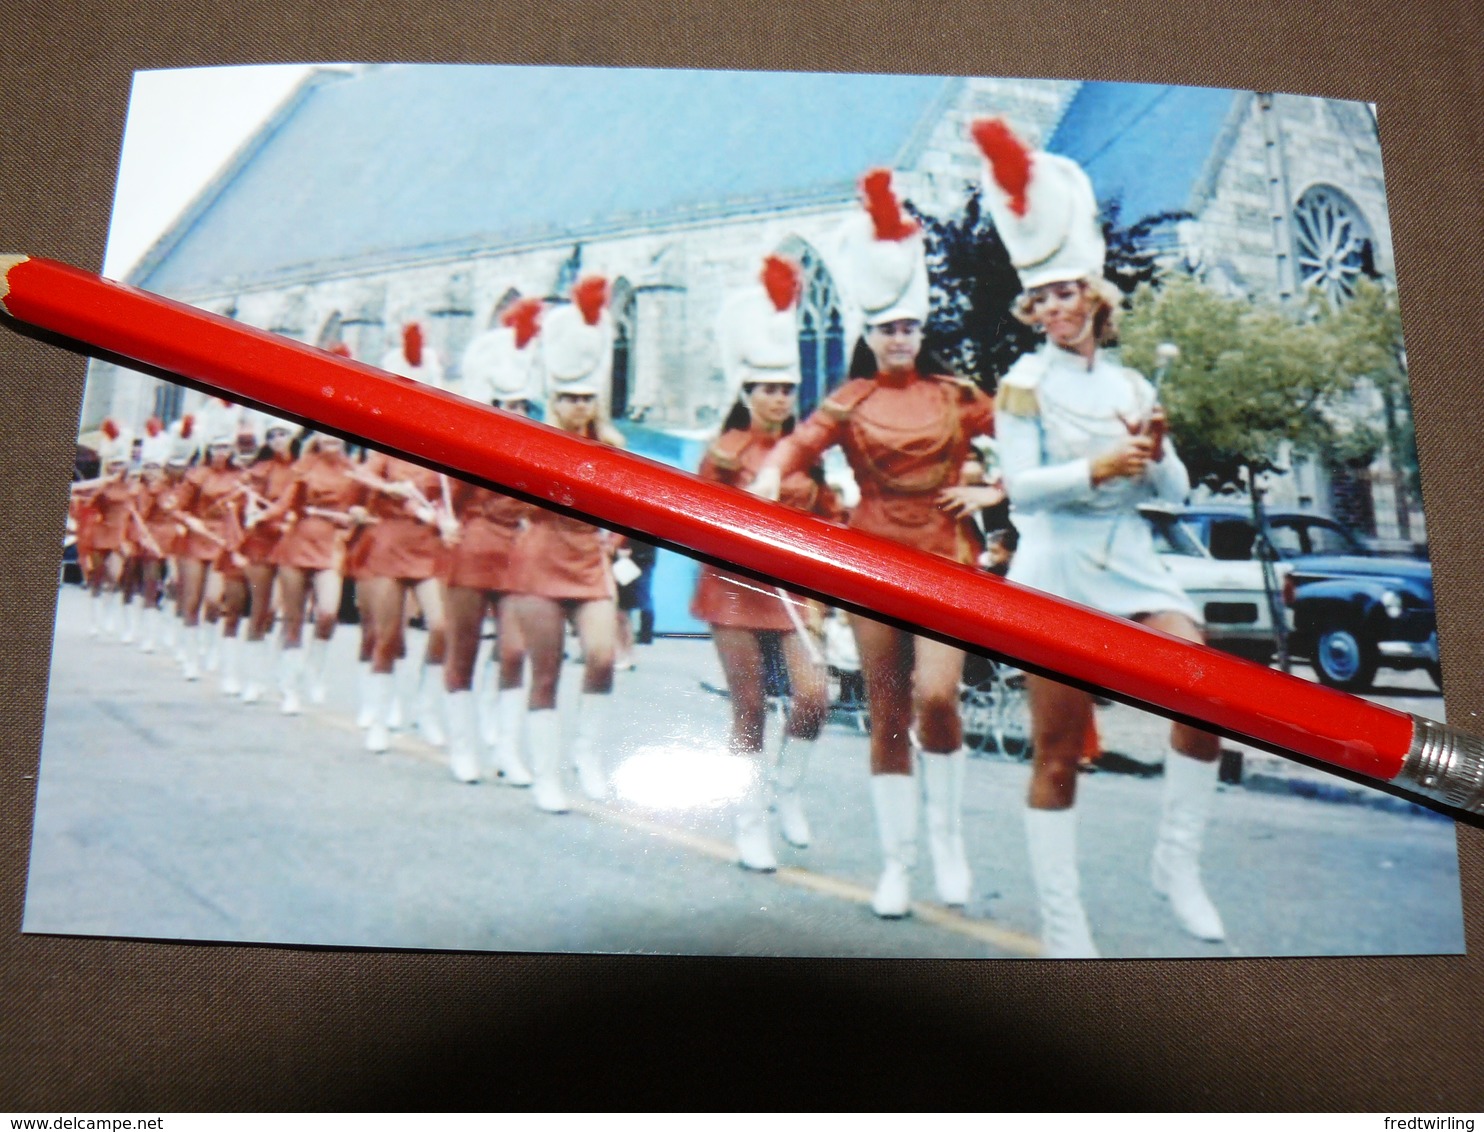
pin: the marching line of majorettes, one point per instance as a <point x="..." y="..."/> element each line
<point x="248" y="531"/>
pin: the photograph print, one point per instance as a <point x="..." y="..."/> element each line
<point x="1135" y="346"/>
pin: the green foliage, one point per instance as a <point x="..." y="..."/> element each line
<point x="1252" y="379"/>
<point x="1250" y="382"/>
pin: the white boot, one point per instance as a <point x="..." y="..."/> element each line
<point x="1051" y="837"/>
<point x="894" y="797"/>
<point x="190" y="651"/>
<point x="95" y="614"/>
<point x="231" y="666"/>
<point x="255" y="663"/>
<point x="463" y="736"/>
<point x="363" y="685"/>
<point x="754" y="838"/>
<point x="396" y="718"/>
<point x="113" y="613"/>
<point x="131" y="623"/>
<point x="149" y="629"/>
<point x="592" y="719"/>
<point x="943" y="797"/>
<point x="317" y="656"/>
<point x="211" y="637"/>
<point x="544" y="731"/>
<point x="506" y="754"/>
<point x="793" y="760"/>
<point x="290" y="678"/>
<point x="487" y="679"/>
<point x="430" y="696"/>
<point x="1190" y="788"/>
<point x="378" y="701"/>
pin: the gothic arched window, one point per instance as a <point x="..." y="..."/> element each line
<point x="822" y="359"/>
<point x="1333" y="242"/>
<point x="507" y="300"/>
<point x="329" y="333"/>
<point x="625" y="311"/>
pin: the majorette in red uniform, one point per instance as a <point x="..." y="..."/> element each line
<point x="561" y="569"/>
<point x="404" y="549"/>
<point x="1082" y="445"/>
<point x="317" y="514"/>
<point x="105" y="506"/>
<point x="758" y="333"/>
<point x="171" y="536"/>
<point x="211" y="520"/>
<point x="154" y="529"/>
<point x="499" y="367"/>
<point x="265" y="481"/>
<point x="227" y="588"/>
<point x="906" y="436"/>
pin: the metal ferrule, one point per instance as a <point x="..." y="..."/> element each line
<point x="1444" y="765"/>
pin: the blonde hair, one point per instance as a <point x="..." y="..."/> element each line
<point x="1108" y="301"/>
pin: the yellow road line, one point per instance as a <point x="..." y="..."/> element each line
<point x="939" y="916"/>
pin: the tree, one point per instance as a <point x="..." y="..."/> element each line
<point x="1367" y="332"/>
<point x="974" y="285"/>
<point x="1250" y="383"/>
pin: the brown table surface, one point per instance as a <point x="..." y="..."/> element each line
<point x="133" y="1025"/>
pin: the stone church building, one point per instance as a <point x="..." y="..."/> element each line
<point x="387" y="194"/>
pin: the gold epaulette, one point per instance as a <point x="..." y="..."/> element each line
<point x="726" y="451"/>
<point x="1017" y="400"/>
<point x="842" y="402"/>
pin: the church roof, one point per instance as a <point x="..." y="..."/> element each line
<point x="1149" y="146"/>
<point x="406" y="162"/>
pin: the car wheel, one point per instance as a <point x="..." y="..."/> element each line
<point x="1345" y="659"/>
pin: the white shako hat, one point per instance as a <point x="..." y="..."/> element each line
<point x="501" y="364"/>
<point x="185" y="439"/>
<point x="882" y="256"/>
<point x="414" y="358"/>
<point x="759" y="328"/>
<point x="216" y="424"/>
<point x="117" y="444"/>
<point x="1043" y="207"/>
<point x="157" y="444"/>
<point x="577" y="341"/>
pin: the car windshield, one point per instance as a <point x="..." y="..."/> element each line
<point x="1294" y="535"/>
<point x="1171" y="536"/>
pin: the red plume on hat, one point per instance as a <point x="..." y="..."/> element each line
<point x="187" y="425"/>
<point x="412" y="344"/>
<point x="339" y="349"/>
<point x="783" y="279"/>
<point x="591" y="296"/>
<point x="1008" y="157"/>
<point x="887" y="217"/>
<point x="111" y="429"/>
<point x="154" y="426"/>
<point x="524" y="317"/>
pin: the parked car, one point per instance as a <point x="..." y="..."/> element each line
<point x="1354" y="610"/>
<point x="1228" y="592"/>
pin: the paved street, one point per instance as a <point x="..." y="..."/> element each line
<point x="167" y="810"/>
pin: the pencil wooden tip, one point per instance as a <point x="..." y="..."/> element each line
<point x="6" y="263"/>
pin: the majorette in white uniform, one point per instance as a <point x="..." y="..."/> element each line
<point x="1055" y="414"/>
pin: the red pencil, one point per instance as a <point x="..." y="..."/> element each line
<point x="1174" y="677"/>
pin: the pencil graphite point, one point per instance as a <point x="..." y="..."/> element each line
<point x="6" y="263"/>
